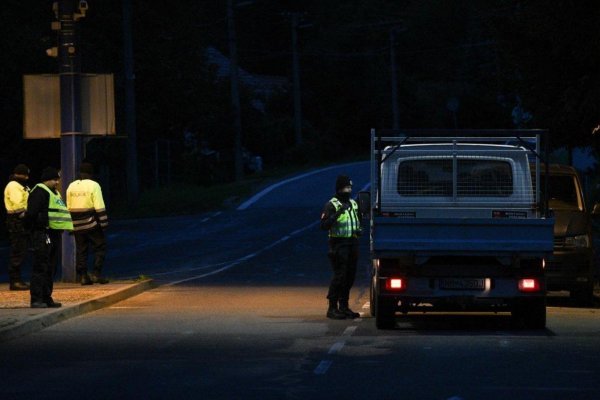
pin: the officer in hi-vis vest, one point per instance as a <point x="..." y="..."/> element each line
<point x="85" y="202"/>
<point x="15" y="201"/>
<point x="341" y="217"/>
<point x="47" y="216"/>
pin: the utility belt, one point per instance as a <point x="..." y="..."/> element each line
<point x="343" y="240"/>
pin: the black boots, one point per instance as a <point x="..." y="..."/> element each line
<point x="343" y="312"/>
<point x="18" y="285"/>
<point x="91" y="279"/>
<point x="85" y="279"/>
<point x="333" y="312"/>
<point x="97" y="278"/>
<point x="347" y="311"/>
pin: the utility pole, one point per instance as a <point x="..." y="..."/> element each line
<point x="296" y="78"/>
<point x="71" y="143"/>
<point x="395" y="114"/>
<point x="132" y="167"/>
<point x="235" y="93"/>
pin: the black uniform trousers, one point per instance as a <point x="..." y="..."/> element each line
<point x="343" y="255"/>
<point x="19" y="239"/>
<point x="46" y="247"/>
<point x="95" y="239"/>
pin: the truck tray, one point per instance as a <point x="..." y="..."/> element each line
<point x="469" y="236"/>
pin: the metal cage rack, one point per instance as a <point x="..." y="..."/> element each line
<point x="460" y="168"/>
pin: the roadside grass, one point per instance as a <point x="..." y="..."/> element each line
<point x="183" y="199"/>
<point x="186" y="198"/>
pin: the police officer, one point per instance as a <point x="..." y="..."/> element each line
<point x="341" y="217"/>
<point x="85" y="202"/>
<point x="47" y="216"/>
<point x="15" y="201"/>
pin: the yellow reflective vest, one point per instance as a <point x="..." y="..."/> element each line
<point x="85" y="202"/>
<point x="58" y="215"/>
<point x="15" y="197"/>
<point x="348" y="223"/>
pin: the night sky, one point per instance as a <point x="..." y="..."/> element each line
<point x="458" y="63"/>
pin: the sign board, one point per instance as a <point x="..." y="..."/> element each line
<point x="41" y="95"/>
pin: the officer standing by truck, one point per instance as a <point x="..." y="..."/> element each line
<point x="341" y="218"/>
<point x="86" y="204"/>
<point x="48" y="217"/>
<point x="15" y="201"/>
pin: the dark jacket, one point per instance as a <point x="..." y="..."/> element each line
<point x="36" y="217"/>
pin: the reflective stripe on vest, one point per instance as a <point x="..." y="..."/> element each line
<point x="347" y="223"/>
<point x="59" y="217"/>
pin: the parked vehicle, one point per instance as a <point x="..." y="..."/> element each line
<point x="457" y="224"/>
<point x="572" y="266"/>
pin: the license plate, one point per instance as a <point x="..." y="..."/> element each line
<point x="462" y="283"/>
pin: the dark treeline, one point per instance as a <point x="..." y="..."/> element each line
<point x="460" y="63"/>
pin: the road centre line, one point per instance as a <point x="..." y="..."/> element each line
<point x="323" y="367"/>
<point x="246" y="257"/>
<point x="211" y="216"/>
<point x="260" y="194"/>
<point x="337" y="346"/>
<point x="349" y="330"/>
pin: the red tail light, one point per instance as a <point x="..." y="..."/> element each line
<point x="529" y="285"/>
<point x="395" y="284"/>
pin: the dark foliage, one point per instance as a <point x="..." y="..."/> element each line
<point x="481" y="55"/>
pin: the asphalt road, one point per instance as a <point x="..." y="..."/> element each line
<point x="240" y="315"/>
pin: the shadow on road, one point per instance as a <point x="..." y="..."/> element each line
<point x="459" y="324"/>
<point x="562" y="299"/>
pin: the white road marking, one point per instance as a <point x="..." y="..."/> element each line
<point x="322" y="367"/>
<point x="246" y="257"/>
<point x="349" y="330"/>
<point x="260" y="194"/>
<point x="337" y="346"/>
<point x="211" y="216"/>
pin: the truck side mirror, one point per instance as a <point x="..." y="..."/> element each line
<point x="596" y="211"/>
<point x="364" y="204"/>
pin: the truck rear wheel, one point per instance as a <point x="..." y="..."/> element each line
<point x="373" y="298"/>
<point x="530" y="313"/>
<point x="385" y="313"/>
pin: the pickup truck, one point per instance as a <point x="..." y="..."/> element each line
<point x="457" y="223"/>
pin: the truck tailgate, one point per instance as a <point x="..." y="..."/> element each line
<point x="471" y="236"/>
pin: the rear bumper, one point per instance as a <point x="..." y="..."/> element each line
<point x="423" y="293"/>
<point x="570" y="269"/>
